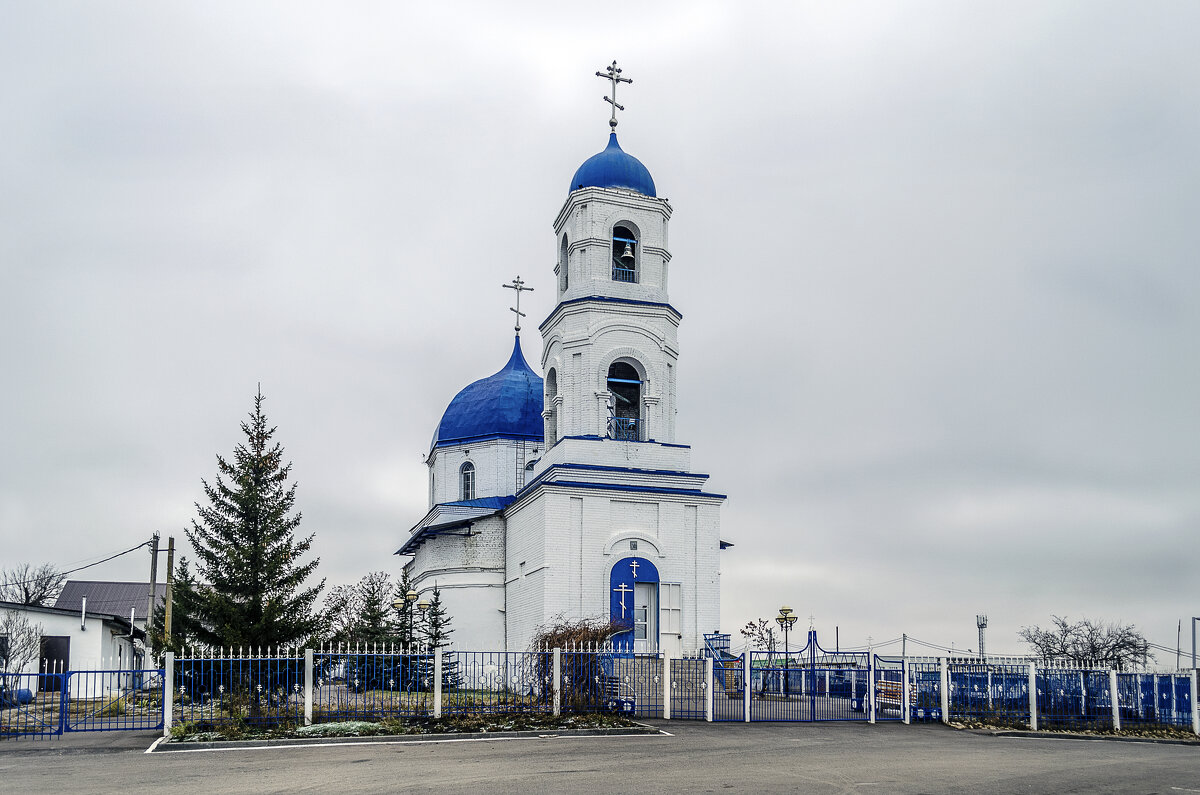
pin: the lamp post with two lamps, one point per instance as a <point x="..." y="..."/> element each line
<point x="403" y="605"/>
<point x="785" y="619"/>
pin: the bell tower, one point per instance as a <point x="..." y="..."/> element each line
<point x="610" y="345"/>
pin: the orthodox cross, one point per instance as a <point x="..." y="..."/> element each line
<point x="634" y="565"/>
<point x="623" y="589"/>
<point x="520" y="287"/>
<point x="613" y="75"/>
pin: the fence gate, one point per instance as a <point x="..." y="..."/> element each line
<point x="811" y="684"/>
<point x="48" y="705"/>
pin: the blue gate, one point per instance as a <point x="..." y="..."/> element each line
<point x="48" y="705"/>
<point x="812" y="684"/>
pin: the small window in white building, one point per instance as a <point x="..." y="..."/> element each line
<point x="632" y="545"/>
<point x="467" y="473"/>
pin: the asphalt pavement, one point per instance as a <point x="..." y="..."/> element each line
<point x="694" y="757"/>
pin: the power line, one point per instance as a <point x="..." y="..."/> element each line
<point x="79" y="568"/>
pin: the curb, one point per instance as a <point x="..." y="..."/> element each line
<point x="161" y="746"/>
<point x="1114" y="738"/>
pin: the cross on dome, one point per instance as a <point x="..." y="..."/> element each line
<point x="519" y="286"/>
<point x="613" y="74"/>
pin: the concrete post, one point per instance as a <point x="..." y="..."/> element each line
<point x="437" y="683"/>
<point x="168" y="692"/>
<point x="905" y="693"/>
<point x="746" y="685"/>
<point x="1115" y="699"/>
<point x="1195" y="706"/>
<point x="708" y="687"/>
<point x="944" y="671"/>
<point x="557" y="681"/>
<point x="666" y="661"/>
<point x="1033" y="705"/>
<point x="871" y="691"/>
<point x="308" y="686"/>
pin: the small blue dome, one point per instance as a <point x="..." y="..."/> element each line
<point x="613" y="168"/>
<point x="507" y="405"/>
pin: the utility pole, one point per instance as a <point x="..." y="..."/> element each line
<point x="170" y="595"/>
<point x="153" y="585"/>
<point x="981" y="623"/>
<point x="904" y="645"/>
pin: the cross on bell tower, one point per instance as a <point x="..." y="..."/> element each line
<point x="613" y="74"/>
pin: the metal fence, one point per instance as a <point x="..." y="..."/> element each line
<point x="218" y="690"/>
<point x="370" y="684"/>
<point x="51" y="704"/>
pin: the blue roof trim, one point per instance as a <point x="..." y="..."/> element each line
<point x="595" y="467"/>
<point x="506" y="405"/>
<point x="612" y="300"/>
<point x="596" y="438"/>
<point x="613" y="168"/>
<point x="578" y="484"/>
<point x="498" y="503"/>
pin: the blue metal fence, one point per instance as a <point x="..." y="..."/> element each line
<point x="989" y="691"/>
<point x="260" y="691"/>
<point x="689" y="688"/>
<point x="50" y="704"/>
<point x="371" y="686"/>
<point x="497" y="682"/>
<point x="1155" y="699"/>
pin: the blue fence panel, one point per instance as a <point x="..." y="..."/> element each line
<point x="925" y="679"/>
<point x="98" y="701"/>
<point x="497" y="682"/>
<point x="689" y="688"/>
<point x="1155" y="700"/>
<point x="1075" y="698"/>
<point x="638" y="678"/>
<point x="250" y="691"/>
<point x="989" y="691"/>
<point x="729" y="689"/>
<point x="371" y="686"/>
<point x="31" y="705"/>
<point x="889" y="689"/>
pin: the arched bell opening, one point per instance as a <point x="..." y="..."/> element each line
<point x="624" y="254"/>
<point x="625" y="420"/>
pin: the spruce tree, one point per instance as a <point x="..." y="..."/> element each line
<point x="251" y="587"/>
<point x="436" y="635"/>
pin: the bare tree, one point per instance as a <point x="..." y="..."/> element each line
<point x="761" y="635"/>
<point x="20" y="641"/>
<point x="1088" y="642"/>
<point x="31" y="585"/>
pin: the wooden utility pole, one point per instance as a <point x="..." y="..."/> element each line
<point x="153" y="585"/>
<point x="170" y="582"/>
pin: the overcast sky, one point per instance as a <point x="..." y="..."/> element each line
<point x="937" y="265"/>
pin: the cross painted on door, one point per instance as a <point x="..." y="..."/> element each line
<point x="623" y="589"/>
<point x="634" y="566"/>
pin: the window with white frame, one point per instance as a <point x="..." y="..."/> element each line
<point x="467" y="477"/>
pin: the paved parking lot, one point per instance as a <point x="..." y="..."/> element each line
<point x="827" y="757"/>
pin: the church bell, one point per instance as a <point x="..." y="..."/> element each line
<point x="628" y="253"/>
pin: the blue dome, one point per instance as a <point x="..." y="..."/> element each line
<point x="612" y="168"/>
<point x="507" y="405"/>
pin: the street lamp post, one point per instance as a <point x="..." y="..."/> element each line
<point x="423" y="606"/>
<point x="785" y="619"/>
<point x="404" y="607"/>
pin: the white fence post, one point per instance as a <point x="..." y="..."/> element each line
<point x="746" y="684"/>
<point x="666" y="661"/>
<point x="708" y="679"/>
<point x="1033" y="705"/>
<point x="308" y="686"/>
<point x="557" y="681"/>
<point x="871" y="690"/>
<point x="1195" y="706"/>
<point x="905" y="692"/>
<point x="945" y="688"/>
<point x="437" y="683"/>
<point x="1116" y="703"/>
<point x="168" y="692"/>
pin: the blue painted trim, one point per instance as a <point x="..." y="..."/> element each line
<point x="595" y="438"/>
<point x="599" y="468"/>
<point x="612" y="300"/>
<point x="644" y="489"/>
<point x="488" y="437"/>
<point x="499" y="503"/>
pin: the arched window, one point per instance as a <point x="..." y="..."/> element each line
<point x="564" y="272"/>
<point x="625" y="385"/>
<point x="551" y="414"/>
<point x="467" y="477"/>
<point x="624" y="254"/>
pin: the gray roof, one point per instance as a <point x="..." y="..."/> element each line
<point x="110" y="598"/>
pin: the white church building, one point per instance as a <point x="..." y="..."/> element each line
<point x="570" y="496"/>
